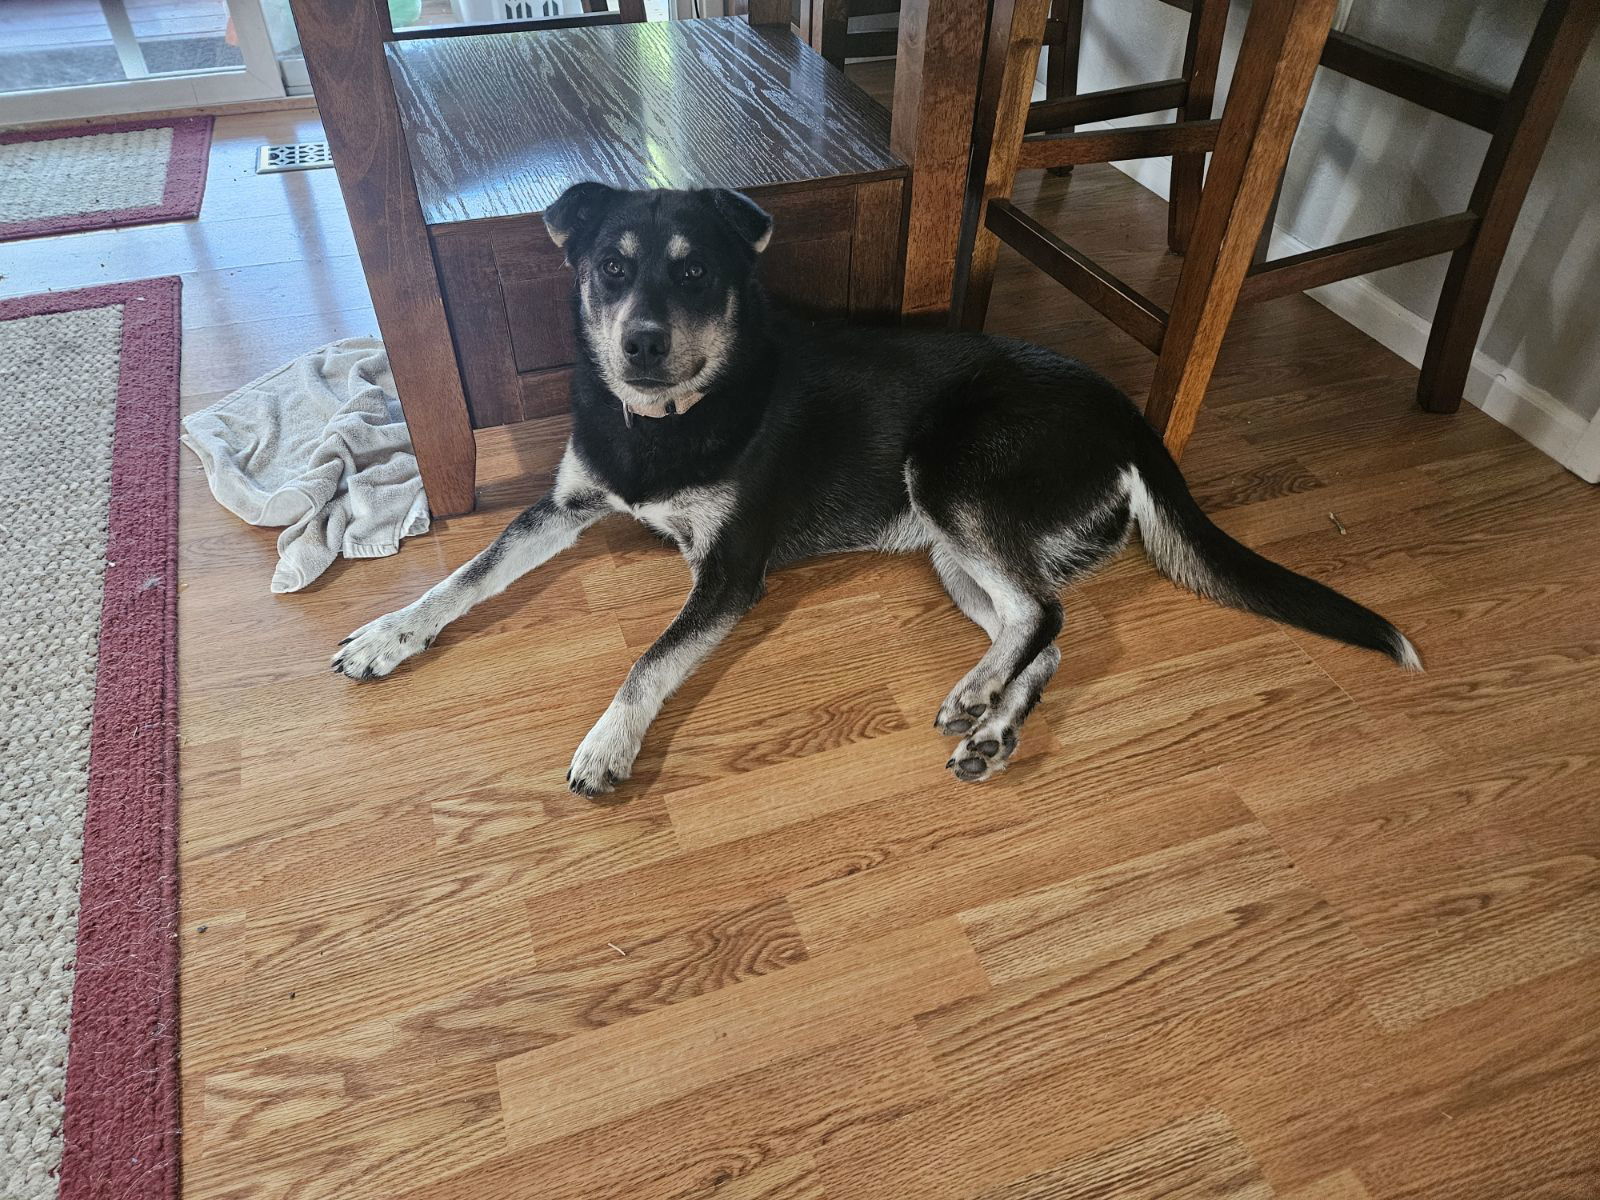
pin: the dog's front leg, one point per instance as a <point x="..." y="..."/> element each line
<point x="721" y="595"/>
<point x="537" y="535"/>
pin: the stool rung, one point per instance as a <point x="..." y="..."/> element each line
<point x="1285" y="276"/>
<point x="1444" y="92"/>
<point x="872" y="43"/>
<point x="1106" y="105"/>
<point x="1110" y="145"/>
<point x="1124" y="306"/>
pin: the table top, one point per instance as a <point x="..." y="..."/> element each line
<point x="500" y="124"/>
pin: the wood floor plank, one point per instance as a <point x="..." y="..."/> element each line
<point x="573" y="1085"/>
<point x="1558" y="1155"/>
<point x="1132" y="900"/>
<point x="1340" y="1185"/>
<point x="1252" y="914"/>
<point x="1007" y="858"/>
<point x="1197" y="1158"/>
<point x="719" y="1136"/>
<point x="396" y="1141"/>
<point x="1126" y="988"/>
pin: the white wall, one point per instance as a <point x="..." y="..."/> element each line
<point x="1365" y="161"/>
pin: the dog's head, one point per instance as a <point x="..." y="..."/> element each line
<point x="661" y="277"/>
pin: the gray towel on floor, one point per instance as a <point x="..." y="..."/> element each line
<point x="319" y="446"/>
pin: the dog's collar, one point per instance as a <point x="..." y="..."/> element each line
<point x="658" y="411"/>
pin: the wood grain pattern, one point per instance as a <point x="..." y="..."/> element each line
<point x="1278" y="57"/>
<point x="1251" y="911"/>
<point x="1011" y="66"/>
<point x="1123" y="306"/>
<point x="1110" y="145"/>
<point x="937" y="66"/>
<point x="1196" y="1158"/>
<point x="710" y="103"/>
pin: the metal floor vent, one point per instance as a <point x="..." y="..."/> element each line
<point x="296" y="156"/>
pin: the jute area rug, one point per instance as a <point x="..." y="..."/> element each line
<point x="101" y="176"/>
<point x="88" y="743"/>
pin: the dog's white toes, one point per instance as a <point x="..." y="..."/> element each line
<point x="380" y="646"/>
<point x="984" y="754"/>
<point x="603" y="759"/>
<point x="965" y="709"/>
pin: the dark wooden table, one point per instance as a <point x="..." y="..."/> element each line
<point x="358" y="63"/>
<point x="499" y="125"/>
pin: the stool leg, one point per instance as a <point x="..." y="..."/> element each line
<point x="1201" y="55"/>
<point x="1558" y="46"/>
<point x="1005" y="89"/>
<point x="938" y="62"/>
<point x="830" y="29"/>
<point x="1277" y="60"/>
<point x="1061" y="67"/>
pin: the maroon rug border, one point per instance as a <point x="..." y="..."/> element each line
<point x="120" y="1139"/>
<point x="180" y="200"/>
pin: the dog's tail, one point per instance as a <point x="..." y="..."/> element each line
<point x="1189" y="549"/>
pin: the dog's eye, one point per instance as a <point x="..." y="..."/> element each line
<point x="694" y="271"/>
<point x="612" y="267"/>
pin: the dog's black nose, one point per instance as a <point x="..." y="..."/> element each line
<point x="645" y="345"/>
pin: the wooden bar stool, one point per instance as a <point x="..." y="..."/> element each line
<point x="827" y="24"/>
<point x="1219" y="223"/>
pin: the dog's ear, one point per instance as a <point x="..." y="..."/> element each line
<point x="749" y="220"/>
<point x="578" y="210"/>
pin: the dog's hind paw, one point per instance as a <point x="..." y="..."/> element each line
<point x="984" y="754"/>
<point x="380" y="646"/>
<point x="964" y="709"/>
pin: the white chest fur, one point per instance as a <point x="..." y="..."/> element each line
<point x="691" y="517"/>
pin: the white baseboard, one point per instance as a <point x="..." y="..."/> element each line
<point x="1520" y="406"/>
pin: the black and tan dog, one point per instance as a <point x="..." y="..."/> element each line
<point x="754" y="440"/>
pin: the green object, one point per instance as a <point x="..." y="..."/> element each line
<point x="404" y="12"/>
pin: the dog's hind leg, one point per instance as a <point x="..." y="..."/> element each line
<point x="968" y="594"/>
<point x="538" y="534"/>
<point x="1028" y="618"/>
<point x="987" y="750"/>
<point x="1067" y="555"/>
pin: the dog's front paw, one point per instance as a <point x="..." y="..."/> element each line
<point x="380" y="646"/>
<point x="985" y="754"/>
<point x="605" y="756"/>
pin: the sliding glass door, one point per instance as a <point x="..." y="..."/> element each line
<point x="61" y="59"/>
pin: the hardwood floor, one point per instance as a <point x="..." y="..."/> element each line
<point x="1254" y="915"/>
